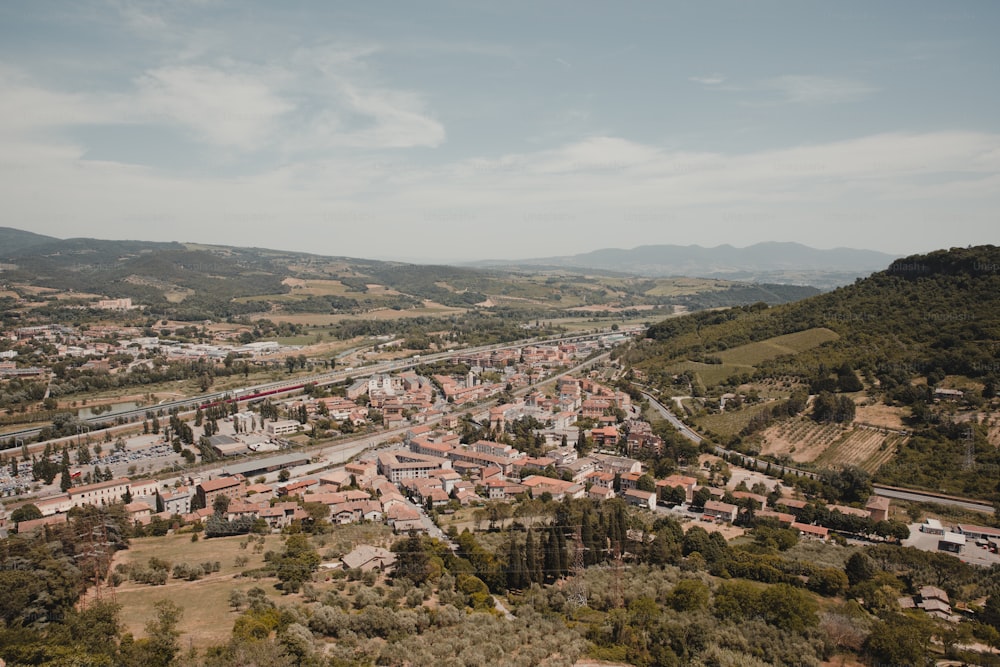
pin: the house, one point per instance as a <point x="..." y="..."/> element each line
<point x="297" y="487"/>
<point x="579" y="469"/>
<point x="849" y="511"/>
<point x="948" y="394"/>
<point x="638" y="498"/>
<point x="403" y="518"/>
<point x="138" y="511"/>
<point x="781" y="517"/>
<point x="717" y="509"/>
<point x="260" y="490"/>
<point x="618" y="464"/>
<point x="630" y="480"/>
<point x="100" y="493"/>
<point x="683" y="481"/>
<point x="878" y="508"/>
<point x="206" y="492"/>
<point x="601" y="479"/>
<point x="467" y="497"/>
<point x="639" y="442"/>
<point x="812" y="532"/>
<point x="400" y="464"/>
<point x="600" y="493"/>
<point x="759" y="500"/>
<point x="281" y="515"/>
<point x="794" y="505"/>
<point x="367" y="558"/>
<point x="39" y="524"/>
<point x="558" y="488"/>
<point x="177" y="501"/>
<point x="362" y="471"/>
<point x="935" y="602"/>
<point x="604" y="437"/>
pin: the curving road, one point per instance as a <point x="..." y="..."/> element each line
<point x="758" y="464"/>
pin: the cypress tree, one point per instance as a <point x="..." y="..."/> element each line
<point x="531" y="559"/>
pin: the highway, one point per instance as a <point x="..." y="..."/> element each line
<point x="759" y="464"/>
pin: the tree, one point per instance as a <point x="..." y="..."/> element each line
<point x="65" y="481"/>
<point x="788" y="607"/>
<point x="284" y="475"/>
<point x="898" y="640"/>
<point x="27" y="512"/>
<point x="296" y="565"/>
<point x="646" y="483"/>
<point x="701" y="496"/>
<point x="991" y="611"/>
<point x="859" y="568"/>
<point x="221" y="504"/>
<point x="412" y="559"/>
<point x="688" y="595"/>
<point x="160" y="645"/>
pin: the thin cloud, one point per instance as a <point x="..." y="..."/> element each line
<point x="223" y="108"/>
<point x="791" y="89"/>
<point x="797" y="89"/>
<point x="711" y="80"/>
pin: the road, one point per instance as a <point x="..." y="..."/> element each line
<point x="758" y="464"/>
<point x="916" y="496"/>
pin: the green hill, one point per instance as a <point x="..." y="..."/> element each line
<point x="937" y="311"/>
<point x="926" y="322"/>
<point x="13" y="240"/>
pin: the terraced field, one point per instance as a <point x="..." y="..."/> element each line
<point x="830" y="445"/>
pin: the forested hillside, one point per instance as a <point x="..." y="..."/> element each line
<point x="936" y="311"/>
<point x="927" y="324"/>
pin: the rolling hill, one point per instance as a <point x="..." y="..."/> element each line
<point x="186" y="281"/>
<point x="772" y="262"/>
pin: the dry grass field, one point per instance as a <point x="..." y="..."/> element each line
<point x="728" y="424"/>
<point x="208" y="618"/>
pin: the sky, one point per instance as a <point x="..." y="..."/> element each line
<point x="457" y="131"/>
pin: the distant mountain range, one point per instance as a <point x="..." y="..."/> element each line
<point x="772" y="262"/>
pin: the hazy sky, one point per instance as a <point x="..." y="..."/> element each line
<point x="468" y="130"/>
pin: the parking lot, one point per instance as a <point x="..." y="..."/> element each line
<point x="970" y="553"/>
